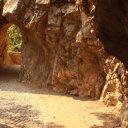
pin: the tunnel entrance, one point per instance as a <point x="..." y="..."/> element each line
<point x="15" y="38"/>
<point x="15" y="42"/>
<point x="11" y="57"/>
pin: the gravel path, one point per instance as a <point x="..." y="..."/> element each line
<point x="24" y="107"/>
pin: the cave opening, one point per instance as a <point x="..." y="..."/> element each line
<point x="15" y="38"/>
<point x="14" y="45"/>
<point x="11" y="55"/>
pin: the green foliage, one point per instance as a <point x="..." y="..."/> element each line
<point x="15" y="38"/>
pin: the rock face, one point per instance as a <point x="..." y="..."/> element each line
<point x="116" y="82"/>
<point x="4" y="24"/>
<point x="6" y="59"/>
<point x="59" y="47"/>
<point x="112" y="26"/>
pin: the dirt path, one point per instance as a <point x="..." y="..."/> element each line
<point x="24" y="107"/>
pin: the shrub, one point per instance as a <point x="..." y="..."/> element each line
<point x="15" y="38"/>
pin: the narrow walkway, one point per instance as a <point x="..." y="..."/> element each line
<point x="24" y="107"/>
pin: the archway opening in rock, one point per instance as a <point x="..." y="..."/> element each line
<point x="14" y="45"/>
<point x="10" y="50"/>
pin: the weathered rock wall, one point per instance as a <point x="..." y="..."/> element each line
<point x="59" y="47"/>
<point x="112" y="26"/>
<point x="4" y="24"/>
<point x="116" y="82"/>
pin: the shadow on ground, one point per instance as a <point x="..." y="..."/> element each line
<point x="109" y="120"/>
<point x="9" y="74"/>
<point x="15" y="115"/>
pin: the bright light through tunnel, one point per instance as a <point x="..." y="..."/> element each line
<point x="14" y="47"/>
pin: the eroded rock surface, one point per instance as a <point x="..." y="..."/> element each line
<point x="112" y="25"/>
<point x="59" y="47"/>
<point x="116" y="81"/>
<point x="4" y="24"/>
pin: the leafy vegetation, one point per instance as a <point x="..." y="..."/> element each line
<point x="15" y="38"/>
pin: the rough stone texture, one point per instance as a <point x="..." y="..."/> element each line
<point x="59" y="46"/>
<point x="116" y="88"/>
<point x="5" y="59"/>
<point x="116" y="80"/>
<point x="112" y="26"/>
